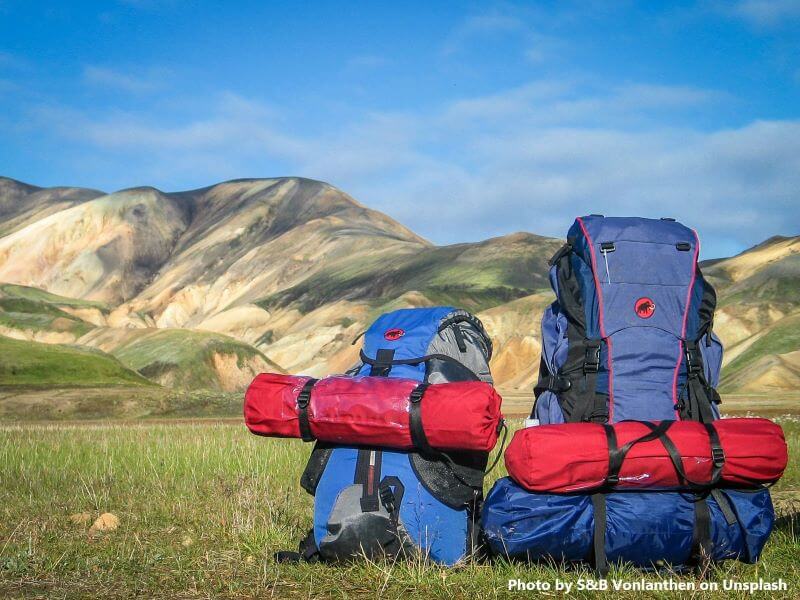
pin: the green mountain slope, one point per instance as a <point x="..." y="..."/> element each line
<point x="186" y="359"/>
<point x="25" y="363"/>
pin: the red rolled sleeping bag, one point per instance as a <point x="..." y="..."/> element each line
<point x="376" y="411"/>
<point x="575" y="456"/>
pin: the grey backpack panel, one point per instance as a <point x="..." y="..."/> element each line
<point x="353" y="533"/>
<point x="464" y="340"/>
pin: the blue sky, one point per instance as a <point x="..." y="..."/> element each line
<point x="462" y="120"/>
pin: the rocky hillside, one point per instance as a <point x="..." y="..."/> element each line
<point x="202" y="289"/>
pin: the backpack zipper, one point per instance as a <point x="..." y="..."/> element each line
<point x="605" y="248"/>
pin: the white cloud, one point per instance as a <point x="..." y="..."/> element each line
<point x="110" y="78"/>
<point x="530" y="158"/>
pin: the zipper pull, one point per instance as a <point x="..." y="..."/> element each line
<point x="605" y="248"/>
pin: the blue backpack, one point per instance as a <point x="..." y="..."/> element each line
<point x="630" y="333"/>
<point x="375" y="502"/>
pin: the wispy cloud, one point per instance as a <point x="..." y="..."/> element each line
<point x="765" y="13"/>
<point x="480" y="26"/>
<point x="122" y="80"/>
<point x="366" y="62"/>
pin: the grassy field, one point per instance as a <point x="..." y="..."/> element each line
<point x="202" y="508"/>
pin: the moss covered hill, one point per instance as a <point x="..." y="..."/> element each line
<point x="36" y="364"/>
<point x="204" y="288"/>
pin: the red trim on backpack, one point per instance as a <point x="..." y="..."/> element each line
<point x="609" y="349"/>
<point x="683" y="326"/>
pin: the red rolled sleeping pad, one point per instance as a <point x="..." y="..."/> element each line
<point x="576" y="457"/>
<point x="375" y="411"/>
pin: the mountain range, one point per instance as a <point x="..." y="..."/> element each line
<point x="205" y="288"/>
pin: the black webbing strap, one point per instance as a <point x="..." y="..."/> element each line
<point x="407" y="361"/>
<point x="616" y="455"/>
<point x="725" y="506"/>
<point x="717" y="455"/>
<point x="586" y="408"/>
<point x="699" y="393"/>
<point x="391" y="491"/>
<point x="418" y="437"/>
<point x="613" y="456"/>
<point x="307" y="551"/>
<point x="303" y="400"/>
<point x="701" y="536"/>
<point x="382" y="364"/>
<point x="501" y="425"/>
<point x="459" y="335"/>
<point x="599" y="558"/>
<point x="731" y="518"/>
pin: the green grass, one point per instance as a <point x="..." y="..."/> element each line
<point x="185" y="356"/>
<point x="35" y="315"/>
<point x="10" y="290"/>
<point x="204" y="506"/>
<point x="43" y="404"/>
<point x="25" y="363"/>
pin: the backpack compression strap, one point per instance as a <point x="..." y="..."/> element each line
<point x="616" y="455"/>
<point x="700" y="395"/>
<point x="382" y="361"/>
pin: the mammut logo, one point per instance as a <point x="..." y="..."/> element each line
<point x="645" y="308"/>
<point x="394" y="334"/>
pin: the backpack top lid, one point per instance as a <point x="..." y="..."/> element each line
<point x="637" y="272"/>
<point x="632" y="229"/>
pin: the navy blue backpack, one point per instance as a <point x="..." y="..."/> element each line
<point x="375" y="502"/>
<point x="630" y="333"/>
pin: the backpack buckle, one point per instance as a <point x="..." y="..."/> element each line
<point x="558" y="384"/>
<point x="692" y="363"/>
<point x="718" y="456"/>
<point x="591" y="359"/>
<point x="387" y="498"/>
<point x="417" y="393"/>
<point x="304" y="397"/>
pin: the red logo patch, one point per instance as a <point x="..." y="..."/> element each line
<point x="645" y="308"/>
<point x="394" y="334"/>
